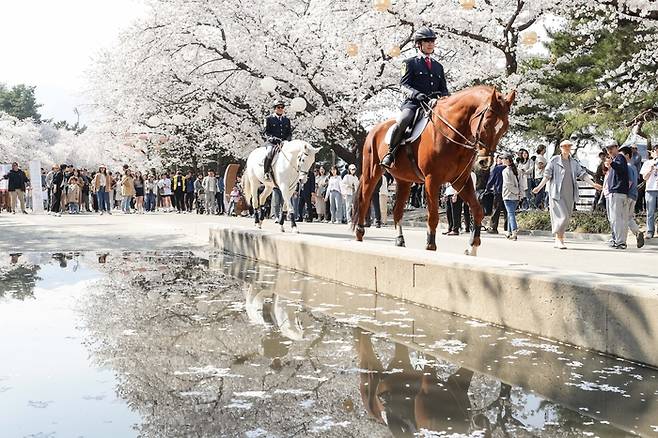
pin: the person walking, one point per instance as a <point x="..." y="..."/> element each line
<point x="73" y="196"/>
<point x="150" y="192"/>
<point x="350" y="184"/>
<point x="178" y="186"/>
<point x="17" y="186"/>
<point x="101" y="184"/>
<point x="189" y="192"/>
<point x="219" y="196"/>
<point x="649" y="172"/>
<point x="495" y="185"/>
<point x="617" y="197"/>
<point x="633" y="193"/>
<point x="512" y="194"/>
<point x="525" y="168"/>
<point x="57" y="190"/>
<point x="539" y="200"/>
<point x="165" y="184"/>
<point x="561" y="174"/>
<point x="210" y="190"/>
<point x="334" y="196"/>
<point x="138" y="181"/>
<point x="305" y="207"/>
<point x="127" y="191"/>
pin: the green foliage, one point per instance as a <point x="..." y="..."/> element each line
<point x="581" y="221"/>
<point x="20" y="102"/>
<point x="573" y="98"/>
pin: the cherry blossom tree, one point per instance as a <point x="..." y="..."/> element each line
<point x="192" y="70"/>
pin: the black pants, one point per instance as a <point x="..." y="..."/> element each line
<point x="219" y="196"/>
<point x="189" y="201"/>
<point x="57" y="199"/>
<point x="499" y="208"/>
<point x="305" y="201"/>
<point x="179" y="200"/>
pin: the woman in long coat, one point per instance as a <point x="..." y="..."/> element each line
<point x="561" y="174"/>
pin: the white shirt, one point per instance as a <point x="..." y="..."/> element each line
<point x="650" y="167"/>
<point x="334" y="184"/>
<point x="350" y="182"/>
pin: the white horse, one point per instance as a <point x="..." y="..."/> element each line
<point x="290" y="166"/>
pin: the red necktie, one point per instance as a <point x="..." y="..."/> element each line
<point x="428" y="63"/>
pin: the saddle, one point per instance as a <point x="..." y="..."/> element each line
<point x="416" y="128"/>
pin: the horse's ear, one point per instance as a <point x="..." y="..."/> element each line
<point x="509" y="99"/>
<point x="314" y="150"/>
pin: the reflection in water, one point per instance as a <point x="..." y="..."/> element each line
<point x="224" y="347"/>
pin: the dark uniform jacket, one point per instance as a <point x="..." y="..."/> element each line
<point x="417" y="78"/>
<point x="278" y="127"/>
<point x="17" y="180"/>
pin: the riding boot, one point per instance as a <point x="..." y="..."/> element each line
<point x="396" y="139"/>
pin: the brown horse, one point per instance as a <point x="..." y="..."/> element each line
<point x="466" y="125"/>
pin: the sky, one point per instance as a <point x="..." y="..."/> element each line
<point x="50" y="44"/>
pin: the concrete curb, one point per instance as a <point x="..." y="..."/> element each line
<point x="582" y="309"/>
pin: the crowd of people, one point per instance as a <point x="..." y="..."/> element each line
<point x="625" y="185"/>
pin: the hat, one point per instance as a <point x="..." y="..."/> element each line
<point x="351" y="167"/>
<point x="566" y="142"/>
<point x="612" y="144"/>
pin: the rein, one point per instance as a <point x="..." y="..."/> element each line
<point x="471" y="145"/>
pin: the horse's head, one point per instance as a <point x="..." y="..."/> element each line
<point x="493" y="122"/>
<point x="305" y="160"/>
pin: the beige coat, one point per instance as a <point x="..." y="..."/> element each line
<point x="96" y="183"/>
<point x="73" y="194"/>
<point x="127" y="186"/>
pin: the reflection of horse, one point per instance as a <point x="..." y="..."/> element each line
<point x="408" y="400"/>
<point x="463" y="126"/>
<point x="264" y="307"/>
<point x="291" y="166"/>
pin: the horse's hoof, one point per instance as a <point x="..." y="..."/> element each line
<point x="283" y="230"/>
<point x="399" y="241"/>
<point x="431" y="247"/>
<point x="295" y="230"/>
<point x="473" y="251"/>
<point x="360" y="232"/>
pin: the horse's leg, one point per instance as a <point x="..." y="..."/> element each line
<point x="284" y="205"/>
<point x="255" y="204"/>
<point x="433" y="190"/>
<point x="477" y="214"/>
<point x="401" y="198"/>
<point x="363" y="197"/>
<point x="262" y="200"/>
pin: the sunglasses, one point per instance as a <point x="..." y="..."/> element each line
<point x="279" y="107"/>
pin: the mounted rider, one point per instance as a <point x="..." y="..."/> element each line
<point x="276" y="129"/>
<point x="423" y="78"/>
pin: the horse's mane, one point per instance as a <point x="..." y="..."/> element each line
<point x="481" y="91"/>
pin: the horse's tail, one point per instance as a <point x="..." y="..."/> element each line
<point x="246" y="188"/>
<point x="368" y="146"/>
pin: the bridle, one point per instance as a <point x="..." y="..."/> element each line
<point x="468" y="144"/>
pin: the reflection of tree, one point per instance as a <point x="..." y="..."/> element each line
<point x="18" y="281"/>
<point x="190" y="361"/>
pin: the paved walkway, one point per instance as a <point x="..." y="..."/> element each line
<point x="174" y="231"/>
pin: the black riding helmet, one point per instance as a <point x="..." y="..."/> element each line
<point x="278" y="102"/>
<point x="424" y="34"/>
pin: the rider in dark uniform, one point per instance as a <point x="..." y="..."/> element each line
<point x="277" y="129"/>
<point x="422" y="79"/>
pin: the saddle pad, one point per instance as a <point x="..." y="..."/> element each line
<point x="416" y="131"/>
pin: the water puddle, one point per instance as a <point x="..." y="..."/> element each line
<point x="170" y="344"/>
